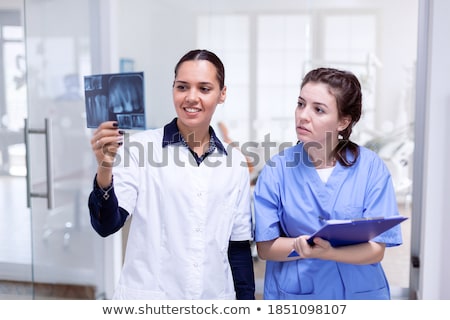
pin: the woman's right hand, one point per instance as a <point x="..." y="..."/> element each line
<point x="105" y="141"/>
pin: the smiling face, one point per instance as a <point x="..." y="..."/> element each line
<point x="196" y="93"/>
<point x="316" y="116"/>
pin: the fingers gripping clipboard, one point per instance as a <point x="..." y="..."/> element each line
<point x="348" y="232"/>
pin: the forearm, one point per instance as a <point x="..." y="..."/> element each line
<point x="104" y="176"/>
<point x="106" y="215"/>
<point x="241" y="263"/>
<point x="277" y="249"/>
<point x="364" y="253"/>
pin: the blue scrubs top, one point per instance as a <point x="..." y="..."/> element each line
<point x="291" y="200"/>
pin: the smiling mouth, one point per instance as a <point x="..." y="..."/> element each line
<point x="191" y="110"/>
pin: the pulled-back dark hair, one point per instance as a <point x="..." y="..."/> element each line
<point x="346" y="88"/>
<point x="201" y="54"/>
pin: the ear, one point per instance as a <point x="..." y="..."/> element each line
<point x="344" y="122"/>
<point x="223" y="95"/>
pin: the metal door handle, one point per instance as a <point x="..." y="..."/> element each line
<point x="47" y="131"/>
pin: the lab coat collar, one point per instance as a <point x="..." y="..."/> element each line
<point x="172" y="135"/>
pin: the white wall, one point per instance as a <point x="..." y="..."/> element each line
<point x="155" y="36"/>
<point x="435" y="251"/>
<point x="11" y="4"/>
<point x="398" y="57"/>
<point x="156" y="33"/>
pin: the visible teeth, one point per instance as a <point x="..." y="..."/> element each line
<point x="191" y="109"/>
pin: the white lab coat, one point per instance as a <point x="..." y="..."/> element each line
<point x="183" y="217"/>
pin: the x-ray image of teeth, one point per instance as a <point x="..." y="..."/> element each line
<point x="115" y="97"/>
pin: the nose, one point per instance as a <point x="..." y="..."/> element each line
<point x="192" y="96"/>
<point x="302" y="114"/>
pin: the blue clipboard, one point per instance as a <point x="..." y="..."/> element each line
<point x="348" y="232"/>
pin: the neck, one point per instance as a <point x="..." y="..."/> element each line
<point x="197" y="140"/>
<point x="323" y="162"/>
<point x="321" y="158"/>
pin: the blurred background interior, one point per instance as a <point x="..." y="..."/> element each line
<point x="48" y="249"/>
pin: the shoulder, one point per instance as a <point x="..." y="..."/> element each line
<point x="233" y="151"/>
<point x="367" y="152"/>
<point x="146" y="135"/>
<point x="140" y="142"/>
<point x="368" y="155"/>
<point x="369" y="160"/>
<point x="235" y="158"/>
<point x="286" y="159"/>
<point x="292" y="154"/>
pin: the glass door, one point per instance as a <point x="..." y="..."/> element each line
<point x="67" y="254"/>
<point x="15" y="231"/>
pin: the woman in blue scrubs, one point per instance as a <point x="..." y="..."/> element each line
<point x="325" y="176"/>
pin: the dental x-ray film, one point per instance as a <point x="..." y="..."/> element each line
<point x="115" y="97"/>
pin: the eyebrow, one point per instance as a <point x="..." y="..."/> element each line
<point x="201" y="83"/>
<point x="321" y="104"/>
<point x="314" y="102"/>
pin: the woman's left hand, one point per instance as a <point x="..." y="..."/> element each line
<point x="319" y="250"/>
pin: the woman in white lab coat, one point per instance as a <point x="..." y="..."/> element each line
<point x="325" y="176"/>
<point x="188" y="195"/>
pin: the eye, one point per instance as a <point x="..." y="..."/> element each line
<point x="205" y="89"/>
<point x="300" y="104"/>
<point x="320" y="110"/>
<point x="181" y="87"/>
